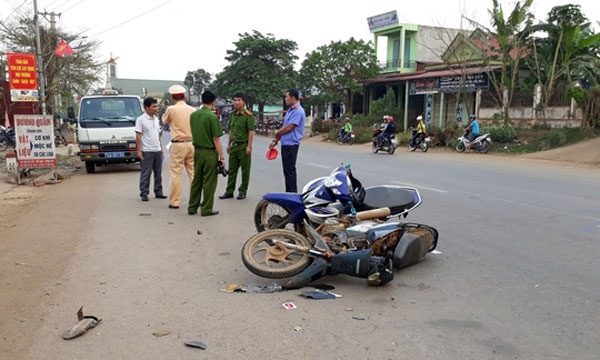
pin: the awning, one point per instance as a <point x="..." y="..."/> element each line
<point x="433" y="74"/>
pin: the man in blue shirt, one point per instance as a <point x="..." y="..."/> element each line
<point x="290" y="134"/>
<point x="473" y="128"/>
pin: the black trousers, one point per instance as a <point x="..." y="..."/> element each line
<point x="289" y="154"/>
<point x="152" y="163"/>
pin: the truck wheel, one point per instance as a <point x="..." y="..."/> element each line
<point x="90" y="167"/>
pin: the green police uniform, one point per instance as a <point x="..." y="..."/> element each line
<point x="240" y="123"/>
<point x="205" y="127"/>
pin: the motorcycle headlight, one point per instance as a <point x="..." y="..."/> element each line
<point x="331" y="182"/>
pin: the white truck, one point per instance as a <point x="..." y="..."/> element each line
<point x="106" y="129"/>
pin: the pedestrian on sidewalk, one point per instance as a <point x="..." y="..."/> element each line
<point x="241" y="135"/>
<point x="149" y="149"/>
<point x="290" y="134"/>
<point x="181" y="153"/>
<point x="206" y="134"/>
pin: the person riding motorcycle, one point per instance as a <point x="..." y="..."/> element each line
<point x="421" y="131"/>
<point x="472" y="129"/>
<point x="346" y="130"/>
<point x="388" y="130"/>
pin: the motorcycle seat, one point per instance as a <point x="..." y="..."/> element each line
<point x="393" y="197"/>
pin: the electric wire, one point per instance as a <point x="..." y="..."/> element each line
<point x="72" y="6"/>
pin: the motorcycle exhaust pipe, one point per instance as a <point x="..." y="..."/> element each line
<point x="373" y="214"/>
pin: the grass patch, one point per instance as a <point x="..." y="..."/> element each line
<point x="533" y="140"/>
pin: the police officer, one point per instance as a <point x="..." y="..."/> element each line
<point x="206" y="133"/>
<point x="241" y="134"/>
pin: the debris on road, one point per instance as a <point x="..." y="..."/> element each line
<point x="319" y="295"/>
<point x="358" y="318"/>
<point x="289" y="305"/>
<point x="162" y="333"/>
<point x="297" y="328"/>
<point x="85" y="323"/>
<point x="199" y="232"/>
<point x="145" y="214"/>
<point x="252" y="288"/>
<point x="195" y="344"/>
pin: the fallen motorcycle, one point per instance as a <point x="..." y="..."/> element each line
<point x="367" y="248"/>
<point x="340" y="193"/>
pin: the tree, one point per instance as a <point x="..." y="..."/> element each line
<point x="507" y="46"/>
<point x="569" y="52"/>
<point x="337" y="71"/>
<point x="65" y="76"/>
<point x="261" y="67"/>
<point x="196" y="81"/>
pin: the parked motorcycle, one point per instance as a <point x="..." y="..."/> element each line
<point x="388" y="144"/>
<point x="330" y="197"/>
<point x="7" y="138"/>
<point x="367" y="248"/>
<point x="345" y="138"/>
<point x="480" y="144"/>
<point x="422" y="141"/>
<point x="59" y="138"/>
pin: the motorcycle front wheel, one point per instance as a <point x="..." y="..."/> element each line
<point x="264" y="257"/>
<point x="268" y="216"/>
<point x="374" y="147"/>
<point x="460" y="147"/>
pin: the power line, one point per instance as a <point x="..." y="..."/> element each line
<point x="61" y="4"/>
<point x="131" y="19"/>
<point x="72" y="6"/>
<point x="15" y="9"/>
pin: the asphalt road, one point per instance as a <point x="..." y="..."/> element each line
<point x="517" y="277"/>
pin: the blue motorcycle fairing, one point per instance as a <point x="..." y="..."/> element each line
<point x="292" y="202"/>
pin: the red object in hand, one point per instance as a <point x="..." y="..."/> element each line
<point x="272" y="154"/>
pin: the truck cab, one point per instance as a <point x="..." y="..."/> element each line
<point x="106" y="129"/>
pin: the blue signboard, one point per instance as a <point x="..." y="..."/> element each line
<point x="383" y="20"/>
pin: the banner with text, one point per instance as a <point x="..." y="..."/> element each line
<point x="35" y="141"/>
<point x="23" y="77"/>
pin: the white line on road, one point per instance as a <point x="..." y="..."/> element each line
<point x="419" y="186"/>
<point x="318" y="165"/>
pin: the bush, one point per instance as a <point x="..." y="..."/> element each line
<point x="502" y="134"/>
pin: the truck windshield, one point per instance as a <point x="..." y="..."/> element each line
<point x="109" y="111"/>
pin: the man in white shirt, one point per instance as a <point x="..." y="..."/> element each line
<point x="149" y="149"/>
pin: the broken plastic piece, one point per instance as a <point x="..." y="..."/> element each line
<point x="317" y="295"/>
<point x="196" y="344"/>
<point x="85" y="323"/>
<point x="263" y="289"/>
<point x="289" y="305"/>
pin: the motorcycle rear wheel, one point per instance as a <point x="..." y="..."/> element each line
<point x="262" y="257"/>
<point x="424" y="146"/>
<point x="391" y="149"/>
<point x="3" y="145"/>
<point x="485" y="147"/>
<point x="268" y="216"/>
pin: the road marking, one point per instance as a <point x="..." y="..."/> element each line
<point x="319" y="166"/>
<point x="419" y="186"/>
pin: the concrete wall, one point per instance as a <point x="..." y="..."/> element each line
<point x="523" y="117"/>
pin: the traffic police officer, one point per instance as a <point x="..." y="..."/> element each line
<point x="241" y="134"/>
<point x="206" y="133"/>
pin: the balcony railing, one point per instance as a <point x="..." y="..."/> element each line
<point x="397" y="63"/>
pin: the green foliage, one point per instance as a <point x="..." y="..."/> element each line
<point x="385" y="106"/>
<point x="334" y="72"/>
<point x="548" y="139"/>
<point x="260" y="66"/>
<point x="501" y="134"/>
<point x="196" y="81"/>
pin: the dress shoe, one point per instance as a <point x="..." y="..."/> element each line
<point x="161" y="196"/>
<point x="241" y="196"/>
<point x="192" y="212"/>
<point x="173" y="206"/>
<point x="214" y="212"/>
<point x="144" y="198"/>
<point x="226" y="196"/>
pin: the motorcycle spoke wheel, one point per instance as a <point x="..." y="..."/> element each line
<point x="265" y="255"/>
<point x="268" y="216"/>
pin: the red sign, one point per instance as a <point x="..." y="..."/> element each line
<point x="23" y="77"/>
<point x="21" y="70"/>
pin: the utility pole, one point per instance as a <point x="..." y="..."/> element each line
<point x="40" y="61"/>
<point x="53" y="36"/>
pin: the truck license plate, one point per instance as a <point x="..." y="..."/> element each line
<point x="113" y="155"/>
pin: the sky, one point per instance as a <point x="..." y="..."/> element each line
<point x="163" y="39"/>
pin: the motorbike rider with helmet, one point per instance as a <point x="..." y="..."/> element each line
<point x="421" y="131"/>
<point x="472" y="129"/>
<point x="388" y="130"/>
<point x="346" y="130"/>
